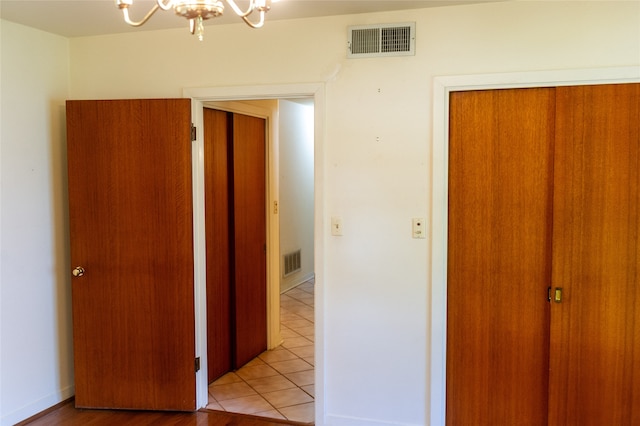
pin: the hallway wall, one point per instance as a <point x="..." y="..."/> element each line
<point x="295" y="133"/>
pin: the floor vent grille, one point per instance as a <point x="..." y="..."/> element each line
<point x="366" y="41"/>
<point x="292" y="263"/>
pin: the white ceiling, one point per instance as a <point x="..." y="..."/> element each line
<point x="76" y="18"/>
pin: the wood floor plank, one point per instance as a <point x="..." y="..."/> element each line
<point x="68" y="415"/>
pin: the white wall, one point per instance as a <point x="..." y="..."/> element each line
<point x="36" y="348"/>
<point x="376" y="175"/>
<point x="377" y="154"/>
<point x="296" y="168"/>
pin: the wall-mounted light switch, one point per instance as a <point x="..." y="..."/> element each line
<point x="336" y="226"/>
<point x="418" y="228"/>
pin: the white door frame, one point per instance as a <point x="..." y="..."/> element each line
<point x="199" y="97"/>
<point x="442" y="87"/>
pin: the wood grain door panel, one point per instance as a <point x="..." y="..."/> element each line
<point x="218" y="240"/>
<point x="500" y="224"/>
<point x="250" y="286"/>
<point x="131" y="229"/>
<point x="595" y="338"/>
<point x="235" y="176"/>
<point x="592" y="181"/>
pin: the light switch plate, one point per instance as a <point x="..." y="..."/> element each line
<point x="336" y="226"/>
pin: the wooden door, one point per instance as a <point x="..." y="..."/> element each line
<point x="235" y="175"/>
<point x="595" y="338"/>
<point x="131" y="229"/>
<point x="500" y="224"/>
<point x="594" y="334"/>
<point x="249" y="206"/>
<point x="218" y="240"/>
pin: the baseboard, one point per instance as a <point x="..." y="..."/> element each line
<point x="37" y="408"/>
<point x="296" y="282"/>
<point x="336" y="420"/>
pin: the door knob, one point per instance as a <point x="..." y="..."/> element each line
<point x="78" y="271"/>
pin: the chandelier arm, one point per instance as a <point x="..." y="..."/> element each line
<point x="125" y="13"/>
<point x="165" y="6"/>
<point x="258" y="24"/>
<point x="200" y="6"/>
<point x="239" y="11"/>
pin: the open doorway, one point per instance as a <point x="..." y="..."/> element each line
<point x="280" y="383"/>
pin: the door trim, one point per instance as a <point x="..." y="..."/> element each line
<point x="199" y="96"/>
<point x="442" y="87"/>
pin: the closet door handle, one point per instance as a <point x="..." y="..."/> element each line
<point x="557" y="295"/>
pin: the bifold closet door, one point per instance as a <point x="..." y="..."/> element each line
<point x="499" y="268"/>
<point x="595" y="330"/>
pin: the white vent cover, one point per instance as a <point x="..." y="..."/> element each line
<point x="292" y="263"/>
<point x="366" y="41"/>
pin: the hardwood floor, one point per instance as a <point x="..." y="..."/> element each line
<point x="68" y="415"/>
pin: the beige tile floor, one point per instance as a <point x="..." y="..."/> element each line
<point x="278" y="383"/>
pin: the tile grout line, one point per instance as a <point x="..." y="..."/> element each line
<point x="296" y="291"/>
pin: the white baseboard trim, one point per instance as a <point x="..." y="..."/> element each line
<point x="296" y="282"/>
<point x="35" y="407"/>
<point x="336" y="420"/>
<point x="38" y="406"/>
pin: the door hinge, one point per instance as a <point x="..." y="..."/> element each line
<point x="548" y="294"/>
<point x="193" y="132"/>
<point x="197" y="364"/>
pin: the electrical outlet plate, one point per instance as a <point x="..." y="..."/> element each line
<point x="418" y="228"/>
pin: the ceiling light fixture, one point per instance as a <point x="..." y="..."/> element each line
<point x="196" y="11"/>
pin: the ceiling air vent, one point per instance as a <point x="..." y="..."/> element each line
<point x="366" y="41"/>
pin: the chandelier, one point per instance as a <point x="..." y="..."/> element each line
<point x="196" y="11"/>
